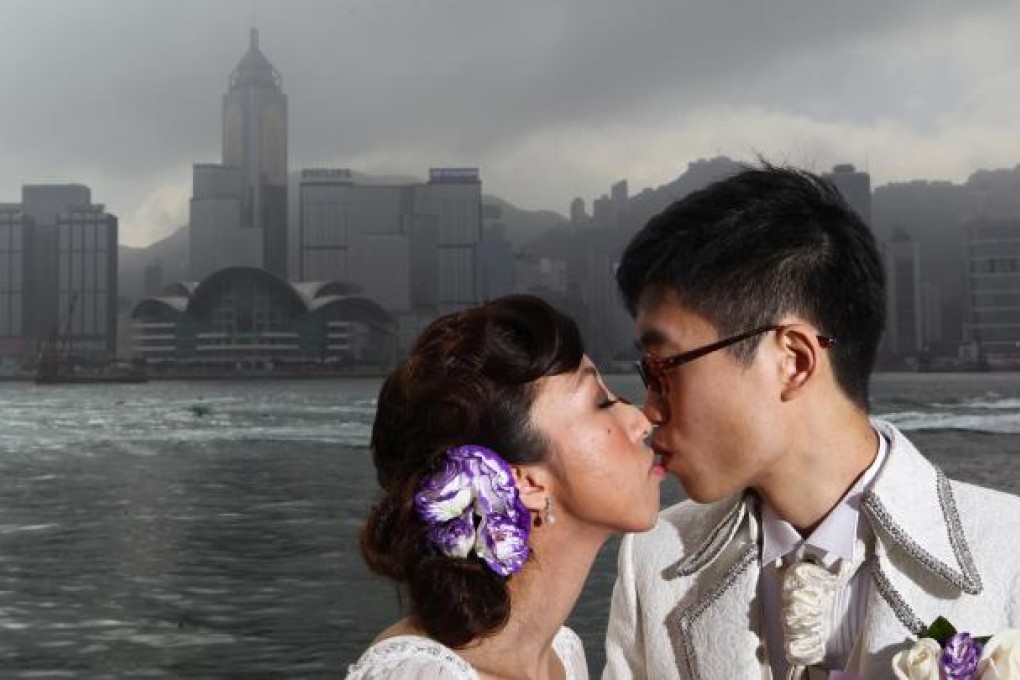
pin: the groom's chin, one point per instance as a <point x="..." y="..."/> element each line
<point x="704" y="492"/>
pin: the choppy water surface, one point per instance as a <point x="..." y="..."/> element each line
<point x="209" y="529"/>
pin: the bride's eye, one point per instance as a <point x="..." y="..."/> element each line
<point x="609" y="402"/>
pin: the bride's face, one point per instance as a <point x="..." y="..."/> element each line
<point x="606" y="475"/>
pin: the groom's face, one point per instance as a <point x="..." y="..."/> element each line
<point x="718" y="428"/>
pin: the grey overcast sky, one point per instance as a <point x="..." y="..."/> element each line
<point x="550" y="98"/>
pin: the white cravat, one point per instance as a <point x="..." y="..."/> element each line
<point x="838" y="545"/>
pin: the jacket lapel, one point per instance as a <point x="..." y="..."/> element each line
<point x="721" y="629"/>
<point x="921" y="556"/>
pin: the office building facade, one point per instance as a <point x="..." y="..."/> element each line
<point x="409" y="247"/>
<point x="58" y="275"/>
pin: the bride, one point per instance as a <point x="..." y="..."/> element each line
<point x="505" y="463"/>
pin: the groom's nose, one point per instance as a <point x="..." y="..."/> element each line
<point x="655" y="408"/>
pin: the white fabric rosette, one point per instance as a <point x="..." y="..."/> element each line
<point x="808" y="593"/>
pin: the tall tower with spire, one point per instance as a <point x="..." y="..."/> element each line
<point x="255" y="141"/>
<point x="239" y="207"/>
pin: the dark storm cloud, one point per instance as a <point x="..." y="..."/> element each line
<point x="126" y="94"/>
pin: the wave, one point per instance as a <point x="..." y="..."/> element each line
<point x="6" y="529"/>
<point x="155" y="439"/>
<point x="1006" y="404"/>
<point x="998" y="423"/>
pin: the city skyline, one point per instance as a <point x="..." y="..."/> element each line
<point x="551" y="102"/>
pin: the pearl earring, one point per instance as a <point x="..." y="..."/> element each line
<point x="550" y="518"/>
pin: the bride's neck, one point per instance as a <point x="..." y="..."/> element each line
<point x="542" y="596"/>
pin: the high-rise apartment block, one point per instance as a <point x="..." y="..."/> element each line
<point x="993" y="257"/>
<point x="904" y="333"/>
<point x="239" y="207"/>
<point x="578" y="213"/>
<point x="855" y="187"/>
<point x="15" y="226"/>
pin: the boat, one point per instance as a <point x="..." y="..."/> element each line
<point x="56" y="367"/>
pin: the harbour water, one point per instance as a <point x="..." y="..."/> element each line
<point x="208" y="529"/>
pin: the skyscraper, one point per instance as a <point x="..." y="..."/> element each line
<point x="59" y="253"/>
<point x="249" y="190"/>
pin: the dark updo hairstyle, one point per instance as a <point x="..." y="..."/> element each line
<point x="470" y="379"/>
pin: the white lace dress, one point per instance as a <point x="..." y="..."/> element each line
<point x="418" y="658"/>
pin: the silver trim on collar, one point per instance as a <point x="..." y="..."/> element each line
<point x="895" y="601"/>
<point x="969" y="581"/>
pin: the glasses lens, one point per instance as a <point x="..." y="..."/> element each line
<point x="649" y="376"/>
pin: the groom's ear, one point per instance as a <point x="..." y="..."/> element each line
<point x="533" y="485"/>
<point x="799" y="357"/>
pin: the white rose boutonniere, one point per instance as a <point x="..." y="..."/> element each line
<point x="943" y="653"/>
<point x="1000" y="659"/>
<point x="923" y="661"/>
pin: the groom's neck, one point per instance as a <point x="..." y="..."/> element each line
<point x="829" y="447"/>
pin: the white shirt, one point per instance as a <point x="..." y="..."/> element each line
<point x="839" y="539"/>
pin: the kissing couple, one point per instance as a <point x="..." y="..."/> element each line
<point x="817" y="542"/>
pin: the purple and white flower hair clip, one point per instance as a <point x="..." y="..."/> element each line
<point x="470" y="503"/>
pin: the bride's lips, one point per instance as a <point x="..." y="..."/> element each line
<point x="660" y="459"/>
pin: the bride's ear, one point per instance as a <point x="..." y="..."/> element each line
<point x="533" y="483"/>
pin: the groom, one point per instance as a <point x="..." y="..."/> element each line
<point x="816" y="540"/>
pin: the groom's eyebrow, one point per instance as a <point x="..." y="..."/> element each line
<point x="651" y="338"/>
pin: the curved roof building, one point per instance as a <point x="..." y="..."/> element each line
<point x="245" y="317"/>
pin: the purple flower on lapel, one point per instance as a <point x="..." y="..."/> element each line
<point x="960" y="657"/>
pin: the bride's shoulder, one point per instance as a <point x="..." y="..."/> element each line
<point x="410" y="656"/>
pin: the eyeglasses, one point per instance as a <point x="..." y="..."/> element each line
<point x="653" y="369"/>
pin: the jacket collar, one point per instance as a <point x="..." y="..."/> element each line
<point x="725" y="518"/>
<point x="911" y="506"/>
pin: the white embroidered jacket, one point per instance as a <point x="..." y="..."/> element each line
<point x="685" y="603"/>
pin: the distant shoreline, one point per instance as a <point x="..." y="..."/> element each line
<point x="377" y="372"/>
<point x="368" y="372"/>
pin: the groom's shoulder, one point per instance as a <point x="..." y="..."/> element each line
<point x="682" y="528"/>
<point x="978" y="504"/>
<point x="984" y="494"/>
